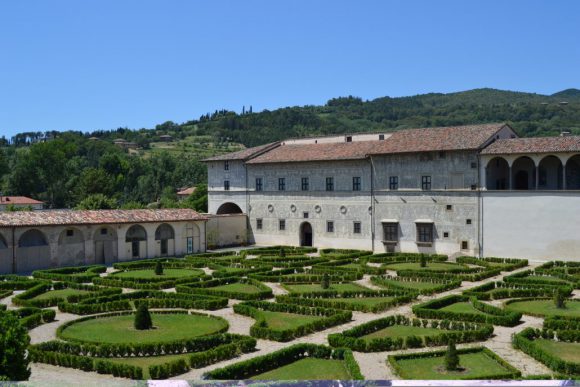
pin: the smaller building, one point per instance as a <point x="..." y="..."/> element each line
<point x="184" y="193"/>
<point x="20" y="202"/>
<point x="122" y="143"/>
<point x="166" y="138"/>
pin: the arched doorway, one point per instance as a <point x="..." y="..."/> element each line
<point x="5" y="257"/>
<point x="33" y="251"/>
<point x="521" y="180"/>
<point x="192" y="242"/>
<point x="498" y="174"/>
<point x="229" y="208"/>
<point x="105" y="245"/>
<point x="573" y="173"/>
<point x="524" y="173"/>
<point x="166" y="237"/>
<point x="306" y="236"/>
<point x="71" y="247"/>
<point x="550" y="173"/>
<point x="137" y="237"/>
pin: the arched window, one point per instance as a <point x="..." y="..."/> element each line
<point x="32" y="238"/>
<point x="3" y="244"/>
<point x="229" y="208"/>
<point x="136" y="233"/>
<point x="164" y="231"/>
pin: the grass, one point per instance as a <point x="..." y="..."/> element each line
<point x="167" y="273"/>
<point x="60" y="293"/>
<point x="476" y="365"/>
<point x="545" y="308"/>
<point x="308" y="369"/>
<point x="370" y="301"/>
<point x="308" y="288"/>
<point x="119" y="329"/>
<point x="431" y="266"/>
<point x="238" y="288"/>
<point x="145" y="362"/>
<point x="282" y="320"/>
<point x="563" y="350"/>
<point x="418" y="285"/>
<point x="402" y="331"/>
<point x="462" y="307"/>
<point x="542" y="278"/>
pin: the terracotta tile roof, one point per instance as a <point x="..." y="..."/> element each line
<point x="70" y="217"/>
<point x="404" y="141"/>
<point x="21" y="200"/>
<point x="534" y="145"/>
<point x="186" y="191"/>
<point x="245" y="153"/>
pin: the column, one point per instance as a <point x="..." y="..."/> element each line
<point x="564" y="177"/>
<point x="510" y="178"/>
<point x="537" y="176"/>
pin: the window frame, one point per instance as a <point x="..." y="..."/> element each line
<point x="391" y="229"/>
<point x="281" y="224"/>
<point x="394" y="183"/>
<point x="425" y="233"/>
<point x="226" y="185"/>
<point x="281" y="184"/>
<point x="357" y="227"/>
<point x="305" y="184"/>
<point x="259" y="223"/>
<point x="356" y="183"/>
<point x="259" y="184"/>
<point x="226" y="165"/>
<point x="330" y="184"/>
<point x="426" y="183"/>
<point x="330" y="226"/>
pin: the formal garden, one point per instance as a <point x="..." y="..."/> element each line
<point x="290" y="313"/>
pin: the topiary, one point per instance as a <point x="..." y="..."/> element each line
<point x="325" y="281"/>
<point x="143" y="318"/>
<point x="158" y="268"/>
<point x="423" y="260"/>
<point x="559" y="299"/>
<point x="451" y="357"/>
<point x="14" y="340"/>
<point x="282" y="252"/>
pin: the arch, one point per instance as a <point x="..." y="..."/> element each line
<point x="306" y="234"/>
<point x="32" y="238"/>
<point x="137" y="237"/>
<point x="3" y="244"/>
<point x="166" y="237"/>
<point x="229" y="208"/>
<point x="192" y="238"/>
<point x="573" y="173"/>
<point x="497" y="174"/>
<point x="71" y="247"/>
<point x="105" y="240"/>
<point x="524" y="173"/>
<point x="550" y="173"/>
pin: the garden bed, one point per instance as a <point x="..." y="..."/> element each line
<point x="230" y="287"/>
<point x="543" y="307"/>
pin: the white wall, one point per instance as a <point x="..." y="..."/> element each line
<point x="227" y="230"/>
<point x="533" y="225"/>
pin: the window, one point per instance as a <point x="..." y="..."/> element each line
<point x="390" y="232"/>
<point x="259" y="184"/>
<point x="464" y="245"/>
<point x="446" y="234"/>
<point x="356" y="228"/>
<point x="394" y="183"/>
<point x="281" y="184"/>
<point x="70" y="233"/>
<point x="226" y="165"/>
<point x="348" y="138"/>
<point x="330" y="184"/>
<point x="226" y="185"/>
<point x="425" y="232"/>
<point x="164" y="247"/>
<point x="441" y="155"/>
<point x="426" y="183"/>
<point x="329" y="226"/>
<point x="467" y="221"/>
<point x="473" y="165"/>
<point x="473" y="187"/>
<point x="305" y="215"/>
<point x="356" y="183"/>
<point x="381" y="136"/>
<point x="103" y="231"/>
<point x="305" y="184"/>
<point x="282" y="225"/>
<point x="449" y="207"/>
<point x="259" y="224"/>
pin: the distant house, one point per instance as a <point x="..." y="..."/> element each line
<point x="93" y="138"/>
<point x="120" y="142"/>
<point x="19" y="202"/>
<point x="184" y="193"/>
<point x="166" y="138"/>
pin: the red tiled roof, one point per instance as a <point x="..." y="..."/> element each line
<point x="245" y="153"/>
<point x="70" y="217"/>
<point x="187" y="191"/>
<point x="404" y="141"/>
<point x="21" y="200"/>
<point x="534" y="145"/>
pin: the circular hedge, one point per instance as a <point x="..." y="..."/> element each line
<point x="168" y="274"/>
<point x="117" y="328"/>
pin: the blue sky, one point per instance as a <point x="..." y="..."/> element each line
<point x="86" y="65"/>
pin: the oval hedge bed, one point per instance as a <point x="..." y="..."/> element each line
<point x="46" y="294"/>
<point x="149" y="274"/>
<point x="543" y="307"/>
<point x="80" y="274"/>
<point x="500" y="290"/>
<point x="230" y="287"/>
<point x="117" y="328"/>
<point x="421" y="285"/>
<point x="399" y="332"/>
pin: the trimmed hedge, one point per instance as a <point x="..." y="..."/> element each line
<point x="168" y="263"/>
<point x="438" y="285"/>
<point x="221" y="270"/>
<point x="205" y="287"/>
<point x="331" y="299"/>
<point x="525" y="341"/>
<point x="472" y="275"/>
<point x="16" y="282"/>
<point x="506" y="303"/>
<point x="494" y="315"/>
<point x="275" y="250"/>
<point x="512" y="372"/>
<point x="7" y="293"/>
<point x="507" y="264"/>
<point x="31" y="317"/>
<point x="27" y="298"/>
<point x="562" y="323"/>
<point x="301" y="275"/>
<point x="145" y="283"/>
<point x="258" y="365"/>
<point x="458" y="332"/>
<point x="500" y="290"/>
<point x="328" y="318"/>
<point x="521" y="278"/>
<point x="387" y="258"/>
<point x="80" y="274"/>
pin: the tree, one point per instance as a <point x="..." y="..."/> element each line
<point x="559" y="299"/>
<point x="158" y="268"/>
<point x="423" y="261"/>
<point x="325" y="281"/>
<point x="96" y="202"/>
<point x="14" y="340"/>
<point x="143" y="318"/>
<point x="451" y="357"/>
<point x="282" y="252"/>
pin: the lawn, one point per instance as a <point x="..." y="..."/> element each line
<point x="308" y="288"/>
<point x="308" y="369"/>
<point x="563" y="350"/>
<point x="431" y="266"/>
<point x="238" y="288"/>
<point x="60" y="293"/>
<point x="167" y="273"/>
<point x="146" y="361"/>
<point x="282" y="320"/>
<point x="119" y="329"/>
<point x="545" y="308"/>
<point x="418" y="285"/>
<point x="402" y="331"/>
<point x="370" y="301"/>
<point x="462" y="307"/>
<point x="546" y="278"/>
<point x="476" y="365"/>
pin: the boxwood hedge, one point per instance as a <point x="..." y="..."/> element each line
<point x="207" y="287"/>
<point x="439" y="285"/>
<point x="500" y="290"/>
<point x="80" y="274"/>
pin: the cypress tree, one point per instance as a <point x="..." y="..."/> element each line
<point x="325" y="281"/>
<point x="423" y="261"/>
<point x="158" y="268"/>
<point x="143" y="318"/>
<point x="559" y="299"/>
<point x="451" y="357"/>
<point x="282" y="252"/>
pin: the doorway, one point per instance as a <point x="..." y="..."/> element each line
<point x="305" y="234"/>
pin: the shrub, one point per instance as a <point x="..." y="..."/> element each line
<point x="14" y="340"/>
<point x="158" y="268"/>
<point x="282" y="252"/>
<point x="559" y="299"/>
<point x="325" y="281"/>
<point x="143" y="318"/>
<point x="451" y="357"/>
<point x="423" y="260"/>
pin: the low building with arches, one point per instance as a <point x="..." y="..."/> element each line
<point x="475" y="190"/>
<point x="43" y="239"/>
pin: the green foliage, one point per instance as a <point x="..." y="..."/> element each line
<point x="282" y="252"/>
<point x="158" y="268"/>
<point x="451" y="357"/>
<point x="14" y="340"/>
<point x="559" y="299"/>
<point x="13" y="208"/>
<point x="325" y="281"/>
<point x="143" y="318"/>
<point x="423" y="260"/>
<point x="96" y="202"/>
